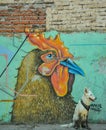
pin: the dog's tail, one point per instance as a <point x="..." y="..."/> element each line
<point x="67" y="125"/>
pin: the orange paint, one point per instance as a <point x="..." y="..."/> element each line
<point x="59" y="80"/>
<point x="51" y="60"/>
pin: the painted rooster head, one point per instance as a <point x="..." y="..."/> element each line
<point x="57" y="62"/>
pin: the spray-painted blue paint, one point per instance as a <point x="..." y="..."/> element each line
<point x="73" y="68"/>
<point x="89" y="50"/>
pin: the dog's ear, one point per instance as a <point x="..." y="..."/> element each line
<point x="86" y="90"/>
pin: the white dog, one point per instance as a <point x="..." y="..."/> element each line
<point x="80" y="117"/>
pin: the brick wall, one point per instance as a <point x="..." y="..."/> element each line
<point x="16" y="16"/>
<point x="61" y="15"/>
<point x="77" y="15"/>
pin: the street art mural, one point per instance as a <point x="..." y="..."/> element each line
<point x="41" y="79"/>
<point x="50" y="71"/>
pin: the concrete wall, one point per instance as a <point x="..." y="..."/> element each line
<point x="82" y="27"/>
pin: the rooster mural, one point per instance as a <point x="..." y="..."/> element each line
<point x="50" y="73"/>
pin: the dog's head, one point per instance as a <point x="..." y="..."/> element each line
<point x="89" y="95"/>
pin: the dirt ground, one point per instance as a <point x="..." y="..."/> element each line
<point x="47" y="127"/>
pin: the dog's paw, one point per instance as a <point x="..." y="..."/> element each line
<point x="88" y="128"/>
<point x="85" y="128"/>
<point x="76" y="127"/>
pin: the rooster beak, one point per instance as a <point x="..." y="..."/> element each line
<point x="73" y="68"/>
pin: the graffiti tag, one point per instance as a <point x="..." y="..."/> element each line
<point x="96" y="107"/>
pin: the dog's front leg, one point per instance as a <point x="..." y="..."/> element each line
<point x="83" y="124"/>
<point x="87" y="127"/>
<point x="77" y="124"/>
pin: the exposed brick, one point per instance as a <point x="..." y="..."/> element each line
<point x="16" y="17"/>
<point x="75" y="15"/>
<point x="11" y="18"/>
<point x="29" y="17"/>
<point x="70" y="15"/>
<point x="22" y="22"/>
<point x="37" y="22"/>
<point x="5" y="22"/>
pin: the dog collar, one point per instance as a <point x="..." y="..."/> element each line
<point x="86" y="106"/>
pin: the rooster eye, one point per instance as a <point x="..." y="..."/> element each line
<point x="49" y="56"/>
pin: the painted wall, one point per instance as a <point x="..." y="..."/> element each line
<point x="89" y="53"/>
